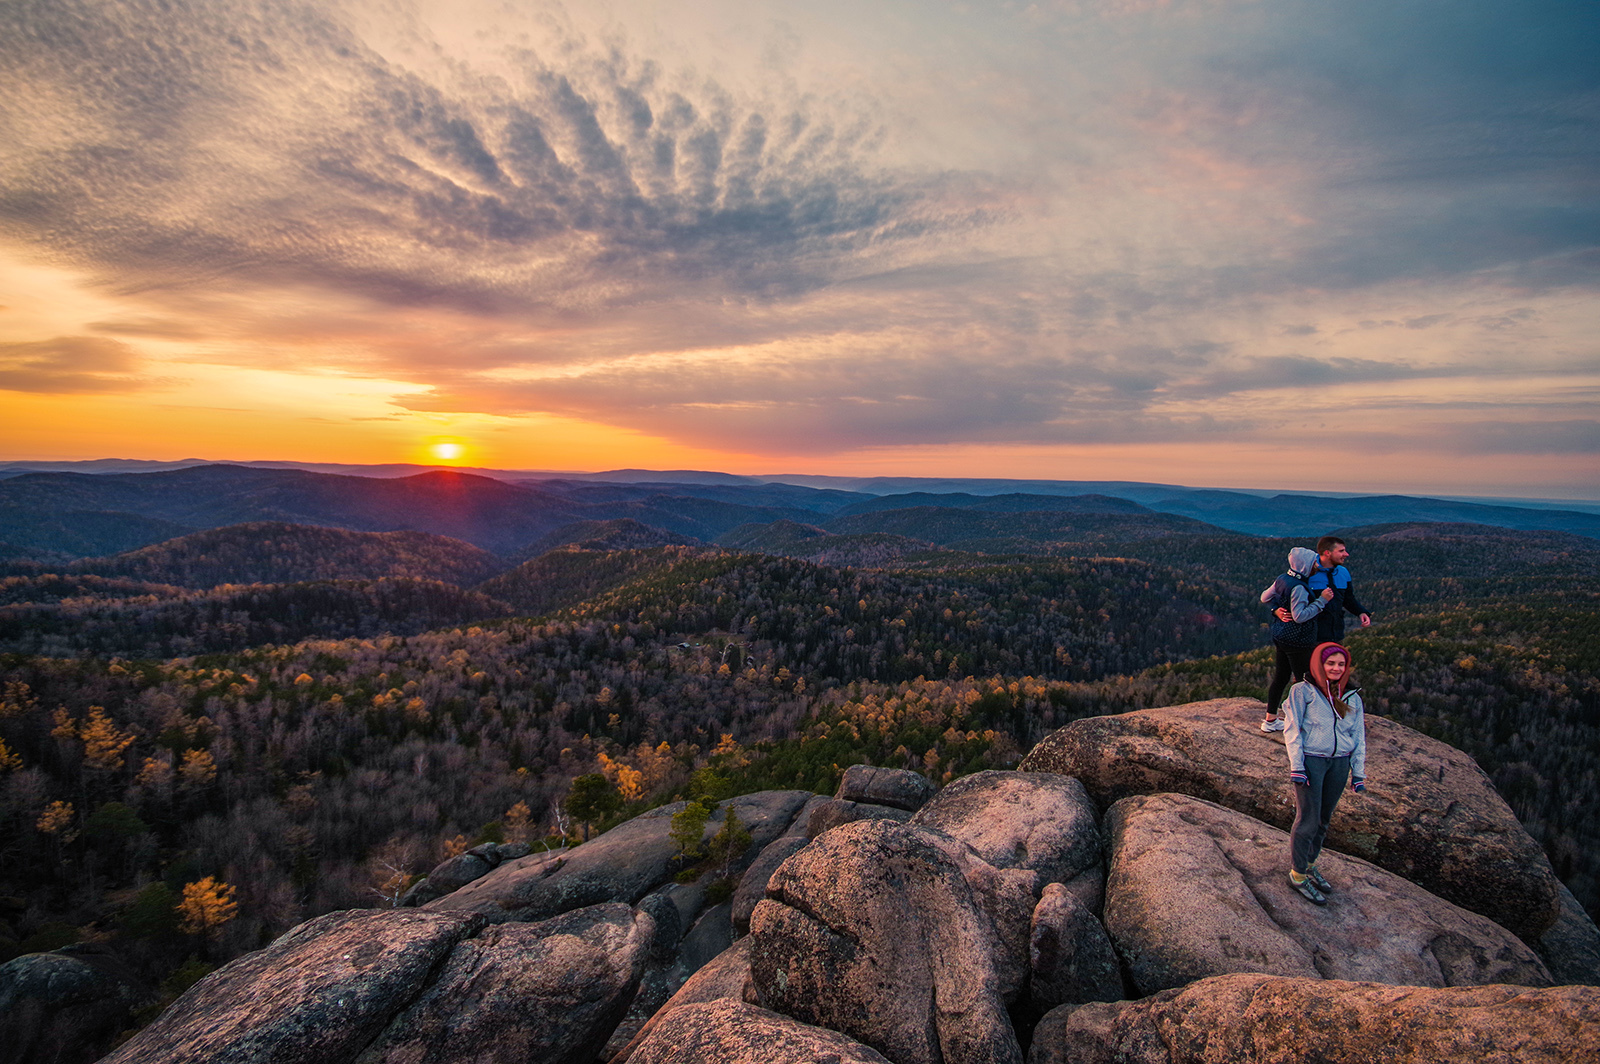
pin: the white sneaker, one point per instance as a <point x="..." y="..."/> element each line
<point x="1275" y="724"/>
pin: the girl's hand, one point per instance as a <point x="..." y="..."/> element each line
<point x="1359" y="786"/>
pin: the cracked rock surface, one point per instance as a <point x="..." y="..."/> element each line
<point x="1197" y="890"/>
<point x="1036" y="821"/>
<point x="875" y="931"/>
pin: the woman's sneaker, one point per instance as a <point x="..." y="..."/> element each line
<point x="1309" y="891"/>
<point x="1317" y="878"/>
<point x="1275" y="724"/>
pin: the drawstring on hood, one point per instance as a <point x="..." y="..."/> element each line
<point x="1319" y="675"/>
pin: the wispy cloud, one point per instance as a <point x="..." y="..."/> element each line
<point x="68" y="365"/>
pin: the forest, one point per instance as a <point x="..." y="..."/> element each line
<point x="191" y="764"/>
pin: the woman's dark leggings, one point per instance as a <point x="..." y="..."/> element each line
<point x="1313" y="808"/>
<point x="1292" y="662"/>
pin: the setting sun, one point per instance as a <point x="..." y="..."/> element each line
<point x="447" y="451"/>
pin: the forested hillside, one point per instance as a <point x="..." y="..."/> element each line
<point x="300" y="742"/>
<point x="272" y="552"/>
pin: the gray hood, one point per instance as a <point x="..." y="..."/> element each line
<point x="1303" y="561"/>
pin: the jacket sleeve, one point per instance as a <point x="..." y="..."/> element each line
<point x="1294" y="713"/>
<point x="1350" y="604"/>
<point x="1266" y="596"/>
<point x="1358" y="758"/>
<point x="1302" y="607"/>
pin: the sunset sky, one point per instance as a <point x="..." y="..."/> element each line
<point x="1342" y="245"/>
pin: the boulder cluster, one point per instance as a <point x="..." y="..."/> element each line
<point x="1122" y="896"/>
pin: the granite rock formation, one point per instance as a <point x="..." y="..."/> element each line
<point x="1262" y="1019"/>
<point x="1430" y="813"/>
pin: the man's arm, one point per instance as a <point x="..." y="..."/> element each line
<point x="1352" y="606"/>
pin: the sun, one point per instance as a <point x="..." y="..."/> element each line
<point x="446" y="450"/>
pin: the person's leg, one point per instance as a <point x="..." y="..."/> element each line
<point x="1307" y="807"/>
<point x="1300" y="662"/>
<point x="1307" y="811"/>
<point x="1336" y="770"/>
<point x="1281" y="667"/>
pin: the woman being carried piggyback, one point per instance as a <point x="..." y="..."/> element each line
<point x="1325" y="734"/>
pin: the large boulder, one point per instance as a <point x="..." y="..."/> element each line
<point x="1070" y="954"/>
<point x="320" y="993"/>
<point x="725" y="977"/>
<point x="1571" y="948"/>
<point x="1430" y="815"/>
<point x="897" y="787"/>
<point x="549" y="991"/>
<point x="1260" y="1019"/>
<point x="65" y="1007"/>
<point x="753" y="886"/>
<point x="1197" y="890"/>
<point x="875" y="931"/>
<point x="732" y="1032"/>
<point x="621" y="865"/>
<point x="1033" y="820"/>
<point x="826" y="815"/>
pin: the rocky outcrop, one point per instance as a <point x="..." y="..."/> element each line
<point x="1571" y="948"/>
<point x="1430" y="813"/>
<point x="753" y="885"/>
<point x="875" y="931"/>
<point x="1036" y="821"/>
<point x="732" y="1032"/>
<point x="1070" y="955"/>
<point x="896" y="787"/>
<point x="724" y="978"/>
<point x="550" y="991"/>
<point x="321" y="992"/>
<point x="65" y="1007"/>
<point x="1259" y="1019"/>
<point x="825" y="816"/>
<point x="1197" y="890"/>
<point x="621" y="865"/>
<point x="937" y="928"/>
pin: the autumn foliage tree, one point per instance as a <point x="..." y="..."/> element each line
<point x="206" y="906"/>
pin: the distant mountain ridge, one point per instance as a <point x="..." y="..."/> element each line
<point x="98" y="514"/>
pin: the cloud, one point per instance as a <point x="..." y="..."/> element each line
<point x="1577" y="436"/>
<point x="68" y="365"/>
<point x="918" y="224"/>
<point x="269" y="145"/>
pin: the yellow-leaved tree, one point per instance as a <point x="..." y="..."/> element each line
<point x="206" y="906"/>
<point x="103" y="741"/>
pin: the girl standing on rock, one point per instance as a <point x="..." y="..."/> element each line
<point x="1325" y="734"/>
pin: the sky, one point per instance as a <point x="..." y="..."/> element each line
<point x="1331" y="246"/>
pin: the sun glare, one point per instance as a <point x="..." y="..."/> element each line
<point x="447" y="451"/>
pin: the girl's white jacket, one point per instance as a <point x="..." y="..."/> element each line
<point x="1311" y="727"/>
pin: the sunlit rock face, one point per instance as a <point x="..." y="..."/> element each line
<point x="1429" y="813"/>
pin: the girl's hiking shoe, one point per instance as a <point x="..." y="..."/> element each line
<point x="1308" y="890"/>
<point x="1275" y="724"/>
<point x="1317" y="878"/>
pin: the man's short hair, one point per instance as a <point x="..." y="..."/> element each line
<point x="1327" y="543"/>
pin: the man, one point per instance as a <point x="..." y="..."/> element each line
<point x="1332" y="553"/>
<point x="1331" y="573"/>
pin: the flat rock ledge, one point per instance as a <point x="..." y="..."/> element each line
<point x="1430" y="814"/>
<point x="1261" y="1019"/>
<point x="1197" y="890"/>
